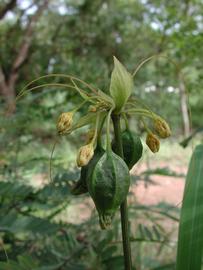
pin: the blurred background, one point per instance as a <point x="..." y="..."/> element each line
<point x="42" y="226"/>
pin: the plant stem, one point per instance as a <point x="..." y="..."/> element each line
<point x="124" y="206"/>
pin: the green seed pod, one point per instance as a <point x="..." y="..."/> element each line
<point x="108" y="186"/>
<point x="80" y="186"/>
<point x="132" y="148"/>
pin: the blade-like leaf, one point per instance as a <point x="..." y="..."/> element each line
<point x="190" y="240"/>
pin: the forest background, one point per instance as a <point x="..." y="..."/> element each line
<point x="42" y="226"/>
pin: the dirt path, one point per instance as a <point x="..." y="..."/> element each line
<point x="164" y="189"/>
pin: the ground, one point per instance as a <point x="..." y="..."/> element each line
<point x="167" y="189"/>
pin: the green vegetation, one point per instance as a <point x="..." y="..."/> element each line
<point x="43" y="225"/>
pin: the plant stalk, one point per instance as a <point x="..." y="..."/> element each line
<point x="124" y="206"/>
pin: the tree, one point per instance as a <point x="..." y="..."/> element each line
<point x="9" y="77"/>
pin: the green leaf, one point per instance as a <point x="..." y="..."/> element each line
<point x="121" y="85"/>
<point x="10" y="190"/>
<point x="115" y="262"/>
<point x="11" y="265"/>
<point x="26" y="224"/>
<point x="190" y="240"/>
<point x="26" y="262"/>
<point x="165" y="171"/>
<point x="108" y="252"/>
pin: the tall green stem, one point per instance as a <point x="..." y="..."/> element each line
<point x="123" y="207"/>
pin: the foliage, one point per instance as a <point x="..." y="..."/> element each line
<point x="34" y="227"/>
<point x="85" y="36"/>
<point x="32" y="235"/>
<point x="80" y="38"/>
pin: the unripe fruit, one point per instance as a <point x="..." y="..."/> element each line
<point x="132" y="147"/>
<point x="108" y="186"/>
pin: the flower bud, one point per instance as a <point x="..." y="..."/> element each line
<point x="64" y="122"/>
<point x="152" y="142"/>
<point x="162" y="128"/>
<point x="85" y="154"/>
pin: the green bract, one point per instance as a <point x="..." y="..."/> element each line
<point x="121" y="85"/>
<point x="108" y="186"/>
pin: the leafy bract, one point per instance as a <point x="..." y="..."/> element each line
<point x="121" y="84"/>
<point x="190" y="240"/>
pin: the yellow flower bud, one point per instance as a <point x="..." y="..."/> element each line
<point x="162" y="128"/>
<point x="64" y="123"/>
<point x="153" y="142"/>
<point x="85" y="154"/>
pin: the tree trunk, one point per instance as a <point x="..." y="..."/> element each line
<point x="8" y="92"/>
<point x="8" y="83"/>
<point x="184" y="108"/>
<point x="9" y="98"/>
